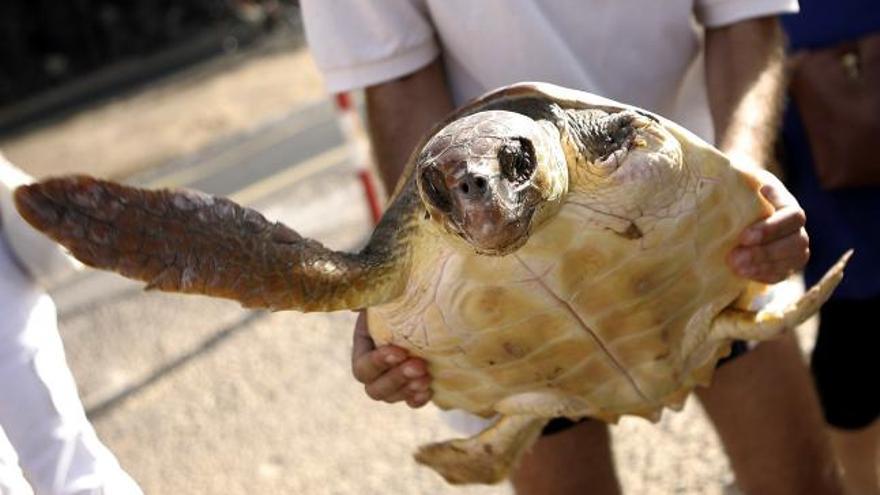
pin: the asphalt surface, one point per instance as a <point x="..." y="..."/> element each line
<point x="199" y="396"/>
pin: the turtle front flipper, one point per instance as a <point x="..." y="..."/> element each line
<point x="736" y="323"/>
<point x="487" y="457"/>
<point x="185" y="241"/>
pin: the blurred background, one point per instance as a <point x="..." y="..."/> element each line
<point x="196" y="395"/>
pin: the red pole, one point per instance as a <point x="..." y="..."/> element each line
<point x="349" y="122"/>
<point x="371" y="194"/>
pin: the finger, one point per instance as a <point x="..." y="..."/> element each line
<point x="787" y="210"/>
<point x="794" y="247"/>
<point x="368" y="367"/>
<point x="777" y="194"/>
<point x="416" y="393"/>
<point x="419" y="399"/>
<point x="768" y="274"/>
<point x="418" y="385"/>
<point x="786" y="221"/>
<point x="772" y="272"/>
<point x="401" y="395"/>
<point x="396" y="379"/>
<point x="368" y="362"/>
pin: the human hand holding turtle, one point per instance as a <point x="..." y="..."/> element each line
<point x="771" y="249"/>
<point x="388" y="373"/>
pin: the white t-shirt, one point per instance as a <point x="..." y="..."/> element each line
<point x="642" y="52"/>
<point x="42" y="258"/>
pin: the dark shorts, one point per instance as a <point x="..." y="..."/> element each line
<point x="844" y="362"/>
<point x="557" y="425"/>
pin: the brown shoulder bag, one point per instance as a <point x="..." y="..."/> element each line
<point x="837" y="92"/>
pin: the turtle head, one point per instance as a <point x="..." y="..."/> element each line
<point x="491" y="177"/>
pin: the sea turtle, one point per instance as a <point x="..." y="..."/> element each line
<point x="549" y="253"/>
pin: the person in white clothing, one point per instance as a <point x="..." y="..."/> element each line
<point x="714" y="66"/>
<point x="47" y="445"/>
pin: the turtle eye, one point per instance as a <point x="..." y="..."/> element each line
<point x="517" y="160"/>
<point x="435" y="189"/>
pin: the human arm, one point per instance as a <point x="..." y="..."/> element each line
<point x="399" y="112"/>
<point x="744" y="71"/>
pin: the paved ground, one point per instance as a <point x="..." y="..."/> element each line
<point x="198" y="396"/>
<point x="174" y="116"/>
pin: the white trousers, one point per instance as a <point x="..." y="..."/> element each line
<point x="43" y="428"/>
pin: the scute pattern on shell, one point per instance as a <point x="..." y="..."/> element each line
<point x="580" y="310"/>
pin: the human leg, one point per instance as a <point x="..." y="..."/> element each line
<point x="858" y="454"/>
<point x="573" y="460"/>
<point x="768" y="418"/>
<point x="845" y="372"/>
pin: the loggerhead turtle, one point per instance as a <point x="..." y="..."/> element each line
<point x="549" y="253"/>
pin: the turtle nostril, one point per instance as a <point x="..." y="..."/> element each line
<point x="474" y="187"/>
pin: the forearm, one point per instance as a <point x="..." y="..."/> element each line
<point x="744" y="70"/>
<point x="399" y="112"/>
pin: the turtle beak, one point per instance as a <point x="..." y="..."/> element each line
<point x="499" y="239"/>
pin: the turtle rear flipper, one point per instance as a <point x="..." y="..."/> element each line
<point x="735" y="323"/>
<point x="184" y="241"/>
<point x="487" y="457"/>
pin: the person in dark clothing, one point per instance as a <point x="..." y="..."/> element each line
<point x="843" y="362"/>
